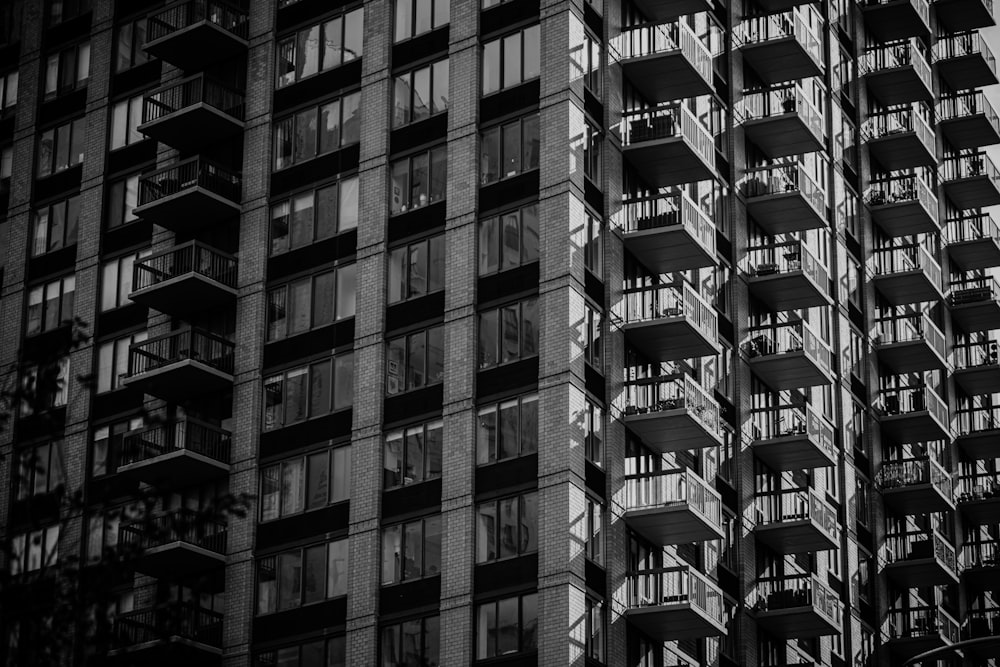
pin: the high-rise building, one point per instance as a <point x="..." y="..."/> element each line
<point x="636" y="333"/>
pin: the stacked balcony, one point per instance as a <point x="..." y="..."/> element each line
<point x="181" y="365"/>
<point x="189" y="33"/>
<point x="898" y="72"/>
<point x="672" y="413"/>
<point x="958" y="15"/>
<point x="918" y="485"/>
<point x="977" y="432"/>
<point x="918" y="559"/>
<point x="179" y="452"/>
<point x="975" y="304"/>
<point x="669" y="233"/>
<point x="782" y="121"/>
<point x="912" y="414"/>
<point x="964" y="61"/>
<point x="981" y="564"/>
<point x="900" y="138"/>
<point x="795" y="521"/>
<point x="192" y="112"/>
<point x="977" y="369"/>
<point x="185" y="278"/>
<point x="910" y="344"/>
<point x="982" y="632"/>
<point x="912" y="631"/>
<point x="666" y="61"/>
<point x="173" y="633"/>
<point x="793" y="438"/>
<point x="668" y="145"/>
<point x="788" y="356"/>
<point x="903" y="204"/>
<point x="906" y="274"/>
<point x="787" y="276"/>
<point x="967" y="120"/>
<point x="970" y="181"/>
<point x="670" y="322"/>
<point x="973" y="241"/>
<point x="785" y="198"/>
<point x="672" y="507"/>
<point x="979" y="497"/>
<point x="783" y="47"/>
<point x="797" y="607"/>
<point x="888" y="20"/>
<point x="189" y="195"/>
<point x="674" y="603"/>
<point x="664" y="10"/>
<point x="179" y="543"/>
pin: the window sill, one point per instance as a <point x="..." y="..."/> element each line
<point x="507" y="177"/>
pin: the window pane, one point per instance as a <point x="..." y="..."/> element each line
<point x="401" y="101"/>
<point x="404" y="19"/>
<point x="330" y="129"/>
<point x="400" y="186"/>
<point x="435" y="355"/>
<point x="413" y="550"/>
<point x="333" y="45"/>
<point x="291" y="487"/>
<point x="279" y="228"/>
<point x="418" y="269"/>
<point x="270" y="491"/>
<point x="507" y="626"/>
<point x="336" y="571"/>
<point x="351" y="120"/>
<point x="414" y="455"/>
<point x="530" y="143"/>
<point x="354" y="33"/>
<point x="299" y="296"/>
<point x="488" y="339"/>
<point x="508" y="429"/>
<point x="124" y="46"/>
<point x="343" y="377"/>
<point x="489" y="168"/>
<point x="529" y="328"/>
<point x="529" y="233"/>
<point x="326" y="212"/>
<point x="320" y="390"/>
<point x="390" y="641"/>
<point x="392" y="460"/>
<point x="528" y="533"/>
<point x="348" y="215"/>
<point x="486" y="436"/>
<point x="302" y="220"/>
<point x="511" y="149"/>
<point x="276" y="311"/>
<point x="491" y="67"/>
<point x="508" y="539"/>
<point x="442" y="9"/>
<point x="529" y="424"/>
<point x="439" y="174"/>
<point x="312" y="653"/>
<point x="416" y="360"/>
<point x="420" y="180"/>
<point x="432" y="641"/>
<point x="421" y="94"/>
<point x="109" y="286"/>
<point x="336" y="652"/>
<point x="486" y="630"/>
<point x="486" y="532"/>
<point x="532" y="51"/>
<point x="307" y="52"/>
<point x="439" y="93"/>
<point x="436" y="272"/>
<point x="432" y="546"/>
<point x="289" y="580"/>
<point x="347" y="296"/>
<point x="529" y="622"/>
<point x="512" y="60"/>
<point x="511" y="240"/>
<point x="432" y="447"/>
<point x="422" y="16"/>
<point x="315" y="574"/>
<point x="341" y="474"/>
<point x="305" y="135"/>
<point x="397" y="274"/>
<point x="392" y="549"/>
<point x="324" y="292"/>
<point x="286" y="62"/>
<point x="119" y="124"/>
<point x="510" y="333"/>
<point x="283" y="143"/>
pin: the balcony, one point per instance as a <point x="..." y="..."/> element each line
<point x="977" y="432"/>
<point x="675" y="603"/>
<point x="979" y="497"/>
<point x="982" y="631"/>
<point x="965" y="61"/>
<point x="192" y="113"/>
<point x="188" y="195"/>
<point x="898" y="72"/>
<point x="910" y="344"/>
<point x="669" y="233"/>
<point x="970" y="181"/>
<point x="796" y="607"/>
<point x="667" y="145"/>
<point x="973" y="241"/>
<point x="672" y="507"/>
<point x="787" y="277"/>
<point x="910" y="632"/>
<point x="981" y="564"/>
<point x="785" y="198"/>
<point x="919" y="559"/>
<point x="958" y="15"/>
<point x="903" y="205"/>
<point x="901" y="137"/>
<point x="194" y="33"/>
<point x="783" y="47"/>
<point x="916" y="486"/>
<point x="672" y="413"/>
<point x="906" y="274"/>
<point x="967" y="120"/>
<point x="666" y="62"/>
<point x="169" y="634"/>
<point x="782" y="121"/>
<point x="795" y="521"/>
<point x="175" y="545"/>
<point x="181" y="365"/>
<point x="792" y="438"/>
<point x="889" y="20"/>
<point x="186" y="278"/>
<point x="788" y="356"/>
<point x="912" y="414"/>
<point x="670" y="322"/>
<point x="664" y="10"/>
<point x="977" y="368"/>
<point x="181" y="452"/>
<point x="974" y="304"/>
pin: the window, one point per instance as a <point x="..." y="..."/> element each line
<point x="415" y="360"/>
<point x="320" y="653"/>
<point x="45" y="387"/>
<point x="67" y="70"/>
<point x="591" y="64"/>
<point x="314" y="215"/>
<point x="307" y="53"/>
<point x="420" y="94"/>
<point x="412" y="455"/>
<point x="593" y="247"/>
<point x="6" y="161"/>
<point x="507" y="429"/>
<point x="507" y="626"/>
<point x="509" y="149"/>
<point x="511" y="60"/>
<point x="311" y="302"/>
<point x="108" y="443"/>
<point x="56" y="226"/>
<point x="508" y="333"/>
<point x="112" y="361"/>
<point x="508" y="240"/>
<point x="416" y="269"/>
<point x="592" y="337"/>
<point x="34" y="551"/>
<point x="413" y="642"/>
<point x="299" y="577"/>
<point x="123" y="197"/>
<point x="317" y="131"/>
<point x="302" y="393"/>
<point x="419" y="180"/>
<point x="305" y="483"/>
<point x="594" y="636"/>
<point x="594" y="540"/>
<point x="862" y="508"/>
<point x="64" y="10"/>
<point x="40" y="469"/>
<point x="415" y="17"/>
<point x="411" y="550"/>
<point x="126" y="117"/>
<point x="507" y="527"/>
<point x="11" y="13"/>
<point x="130" y="45"/>
<point x="50" y="305"/>
<point x="8" y="91"/>
<point x="61" y="147"/>
<point x="593" y="432"/>
<point x="102" y="529"/>
<point x="116" y="279"/>
<point x="592" y="153"/>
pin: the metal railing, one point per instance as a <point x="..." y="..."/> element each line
<point x="666" y="121"/>
<point x="184" y="345"/>
<point x="680" y="486"/>
<point x="918" y="545"/>
<point x="787" y="258"/>
<point x="783" y="179"/>
<point x="972" y="165"/>
<point x="188" y="434"/>
<point x="657" y="394"/>
<point x="979" y="552"/>
<point x="668" y="211"/>
<point x="902" y="188"/>
<point x="957" y="45"/>
<point x="668" y="301"/>
<point x="892" y="55"/>
<point x="974" y="290"/>
<point x="978" y="420"/>
<point x="190" y="257"/>
<point x="982" y="623"/>
<point x="796" y="590"/>
<point x="647" y="40"/>
<point x="971" y="227"/>
<point x="181" y="525"/>
<point x="189" y="173"/>
<point x="796" y="23"/>
<point x="978" y="486"/>
<point x="921" y="622"/>
<point x="967" y="103"/>
<point x="675" y="585"/>
<point x="794" y="421"/>
<point x="186" y="13"/>
<point x="915" y="471"/>
<point x="976" y="354"/>
<point x="789" y="505"/>
<point x="901" y="259"/>
<point x="174" y="619"/>
<point x="900" y="121"/>
<point x="785" y="338"/>
<point x="779" y="100"/>
<point x="911" y="328"/>
<point x="187" y="92"/>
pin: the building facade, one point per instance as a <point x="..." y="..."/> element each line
<point x="646" y="333"/>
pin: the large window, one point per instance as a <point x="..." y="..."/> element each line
<point x="116" y="279"/>
<point x="126" y="117"/>
<point x="130" y="45"/>
<point x="302" y="393"/>
<point x="40" y="469"/>
<point x="123" y="197"/>
<point x="511" y="60"/>
<point x="505" y="626"/>
<point x="416" y="269"/>
<point x="415" y="360"/>
<point x="419" y="180"/>
<point x="55" y="226"/>
<point x="592" y="337"/>
<point x="507" y="527"/>
<point x="64" y="10"/>
<point x="420" y="93"/>
<point x="112" y="361"/>
<point x="412" y="455"/>
<point x="50" y="305"/>
<point x="45" y="387"/>
<point x="591" y="64"/>
<point x="300" y="577"/>
<point x="507" y="429"/>
<point x="508" y="333"/>
<point x="314" y="215"/>
<point x="593" y="247"/>
<point x="593" y="432"/>
<point x="411" y="550"/>
<point x="319" y="653"/>
<point x="8" y="91"/>
<point x="508" y="240"/>
<point x="594" y="636"/>
<point x="67" y="70"/>
<point x="305" y="483"/>
<point x="509" y="149"/>
<point x="594" y="539"/>
<point x="34" y="550"/>
<point x="415" y="17"/>
<point x="311" y="302"/>
<point x="107" y="445"/>
<point x="317" y="131"/>
<point x="592" y="153"/>
<point x="321" y="47"/>
<point x="412" y="643"/>
<point x="61" y="147"/>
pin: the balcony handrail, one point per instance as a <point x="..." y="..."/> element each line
<point x="971" y="165"/>
<point x="911" y="328"/>
<point x="978" y="486"/>
<point x="787" y="337"/>
<point x="793" y="421"/>
<point x="666" y="211"/>
<point x="190" y="344"/>
<point x="796" y="590"/>
<point x="779" y="100"/>
<point x="979" y="552"/>
<point x="900" y="259"/>
<point x="188" y="434"/>
<point x="651" y="490"/>
<point x="897" y="121"/>
<point x="185" y="13"/>
<point x="782" y="179"/>
<point x="182" y="525"/>
<point x="921" y="622"/>
<point x="652" y="39"/>
<point x="792" y="23"/>
<point x="181" y="619"/>
<point x="976" y="354"/>
<point x="977" y="420"/>
<point x="903" y="53"/>
<point x="192" y="172"/>
<point x="974" y="290"/>
<point x="673" y="119"/>
<point x="656" y="394"/>
<point x="972" y="227"/>
<point x="967" y="103"/>
<point x="901" y="188"/>
<point x="189" y="91"/>
<point x="675" y="585"/>
<point x="786" y="258"/>
<point x="673" y="300"/>
<point x="919" y="544"/>
<point x="915" y="471"/>
<point x="801" y="504"/>
<point x="959" y="44"/>
<point x="190" y="257"/>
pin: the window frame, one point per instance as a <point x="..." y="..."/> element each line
<point x="114" y="207"/>
<point x="105" y="445"/>
<point x="284" y="131"/>
<point x="286" y="219"/>
<point x="436" y="20"/>
<point x="282" y="376"/>
<point x="43" y="218"/>
<point x="526" y="255"/>
<point x="434" y="71"/>
<point x="71" y="132"/>
<point x="483" y="630"/>
<point x="501" y="66"/>
<point x="527" y="339"/>
<point x="410" y="383"/>
<point x="68" y="9"/>
<point x="56" y="399"/>
<point x="137" y="55"/>
<point x="290" y="43"/>
<point x="335" y="471"/>
<point x="494" y="456"/>
<point x="62" y="304"/>
<point x="528" y="146"/>
<point x="400" y="261"/>
<point x="113" y="346"/>
<point x="427" y="567"/>
<point x="332" y="589"/>
<point x="132" y="118"/>
<point x="21" y="550"/>
<point x="30" y="470"/>
<point x="9" y="82"/>
<point x="261" y="658"/>
<point x="525" y="544"/>
<point x="403" y="458"/>
<point x="346" y="272"/>
<point x="124" y="272"/>
<point x="434" y="180"/>
<point x="75" y="58"/>
<point x="593" y="436"/>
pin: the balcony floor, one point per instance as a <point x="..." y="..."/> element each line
<point x="670" y="339"/>
<point x="918" y="426"/>
<point x="905" y="149"/>
<point x="973" y="131"/>
<point x="184" y="295"/>
<point x="180" y="465"/>
<point x="177" y="559"/>
<point x="961" y="15"/>
<point x="917" y="499"/>
<point x="796" y="623"/>
<point x="903" y="287"/>
<point x="980" y="445"/>
<point x="893" y="20"/>
<point x="920" y="572"/>
<point x="665" y="76"/>
<point x="898" y="85"/>
<point x="972" y="192"/>
<point x="784" y="212"/>
<point x="669" y="161"/>
<point x="976" y="254"/>
<point x="904" y="218"/>
<point x="674" y="620"/>
<point x="659" y="11"/>
<point x="167" y="652"/>
<point x="192" y="128"/>
<point x="794" y="537"/>
<point x="977" y="316"/>
<point x="791" y="370"/>
<point x="188" y="210"/>
<point x="181" y="381"/>
<point x="668" y="249"/>
<point x="782" y="135"/>
<point x="966" y="72"/>
<point x="982" y="577"/>
<point x="907" y="647"/>
<point x="791" y="452"/>
<point x="788" y="291"/>
<point x="675" y="523"/>
<point x="672" y="431"/>
<point x="780" y="59"/>
<point x="978" y="379"/>
<point x="191" y="48"/>
<point x="981" y="512"/>
<point x="910" y="357"/>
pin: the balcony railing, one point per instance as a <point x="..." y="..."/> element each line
<point x="783" y="179"/>
<point x="980" y="553"/>
<point x="197" y="89"/>
<point x="897" y="54"/>
<point x="786" y="338"/>
<point x="190" y="257"/>
<point x="971" y="227"/>
<point x="977" y="420"/>
<point x="962" y="44"/>
<point x="657" y="394"/>
<point x="174" y="619"/>
<point x="967" y="103"/>
<point x="189" y="435"/>
<point x="793" y="421"/>
<point x="667" y="211"/>
<point x="778" y="100"/>
<point x="969" y="166"/>
<point x="916" y="471"/>
<point x="975" y="290"/>
<point x="794" y="591"/>
<point x="681" y="486"/>
<point x="184" y="14"/>
<point x="179" y="526"/>
<point x="668" y="301"/>
<point x="796" y="23"/>
<point x="979" y="486"/>
<point x="665" y="122"/>
<point x="791" y="505"/>
<point x="982" y="624"/>
<point x="184" y="345"/>
<point x="901" y="188"/>
<point x="675" y="585"/>
<point x="976" y="355"/>
<point x="888" y="123"/>
<point x="886" y="261"/>
<point x="911" y="328"/>
<point x="648" y="40"/>
<point x="193" y="172"/>
<point x="922" y="622"/>
<point x="919" y="545"/>
<point x="787" y="258"/>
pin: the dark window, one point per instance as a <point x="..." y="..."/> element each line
<point x="415" y="642"/>
<point x="317" y="131"/>
<point x="508" y="240"/>
<point x="56" y="226"/>
<point x="302" y="393"/>
<point x="411" y="550"/>
<point x="415" y="17"/>
<point x="509" y="149"/>
<point x="412" y="455"/>
<point x="300" y="577"/>
<point x="593" y="248"/>
<point x="45" y="387"/>
<point x="8" y="91"/>
<point x="592" y="337"/>
<point x="508" y="333"/>
<point x="419" y="180"/>
<point x="107" y="445"/>
<point x="116" y="279"/>
<point x="505" y="626"/>
<point x="305" y="483"/>
<point x="61" y="147"/>
<point x="507" y="429"/>
<point x="64" y="10"/>
<point x="415" y="360"/>
<point x="507" y="527"/>
<point x="314" y="215"/>
<point x="591" y="64"/>
<point x="594" y="540"/>
<point x="34" y="551"/>
<point x="511" y="60"/>
<point x="594" y="636"/>
<point x="112" y="361"/>
<point x="130" y="43"/>
<point x="311" y="302"/>
<point x="40" y="469"/>
<point x="123" y="197"/>
<point x="320" y="47"/>
<point x="50" y="305"/>
<point x="416" y="269"/>
<point x="67" y="70"/>
<point x="420" y="93"/>
<point x="320" y="653"/>
<point x="593" y="428"/>
<point x="592" y="153"/>
<point x="126" y="117"/>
